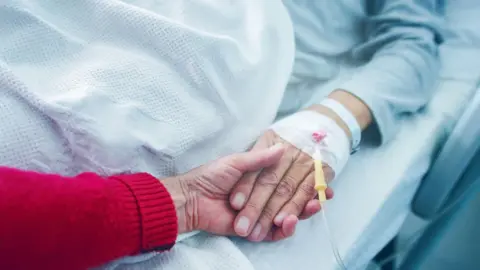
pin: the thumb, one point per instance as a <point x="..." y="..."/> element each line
<point x="258" y="159"/>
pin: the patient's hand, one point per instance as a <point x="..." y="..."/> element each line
<point x="271" y="201"/>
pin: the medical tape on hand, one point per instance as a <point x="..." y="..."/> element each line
<point x="297" y="129"/>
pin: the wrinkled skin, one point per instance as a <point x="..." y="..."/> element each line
<point x="278" y="196"/>
<point x="206" y="192"/>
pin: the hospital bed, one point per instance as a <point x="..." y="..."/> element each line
<point x="374" y="193"/>
<point x="450" y="187"/>
<point x="451" y="164"/>
<point x="454" y="168"/>
<point x="453" y="175"/>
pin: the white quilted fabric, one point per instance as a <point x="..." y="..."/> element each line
<point x="154" y="87"/>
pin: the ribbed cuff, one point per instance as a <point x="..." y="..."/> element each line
<point x="158" y="217"/>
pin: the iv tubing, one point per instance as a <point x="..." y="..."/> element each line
<point x="320" y="187"/>
<point x="338" y="258"/>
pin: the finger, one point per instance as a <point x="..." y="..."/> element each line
<point x="241" y="192"/>
<point x="285" y="231"/>
<point x="283" y="193"/>
<point x="311" y="209"/>
<point x="328" y="173"/>
<point x="329" y="193"/>
<point x="257" y="160"/>
<point x="264" y="186"/>
<point x="302" y="196"/>
<point x="314" y="206"/>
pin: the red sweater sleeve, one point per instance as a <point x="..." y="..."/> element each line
<point x="54" y="222"/>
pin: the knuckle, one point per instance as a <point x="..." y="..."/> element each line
<point x="268" y="214"/>
<point x="305" y="160"/>
<point x="253" y="207"/>
<point x="292" y="155"/>
<point x="308" y="188"/>
<point x="286" y="188"/>
<point x="268" y="179"/>
<point x="297" y="207"/>
<point x="246" y="181"/>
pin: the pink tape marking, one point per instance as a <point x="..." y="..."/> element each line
<point x="318" y="136"/>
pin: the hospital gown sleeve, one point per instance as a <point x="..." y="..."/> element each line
<point x="402" y="39"/>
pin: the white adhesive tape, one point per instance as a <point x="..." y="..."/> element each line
<point x="298" y="128"/>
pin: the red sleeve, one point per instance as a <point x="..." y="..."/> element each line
<point x="55" y="222"/>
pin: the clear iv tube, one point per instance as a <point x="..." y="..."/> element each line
<point x="317" y="137"/>
<point x="338" y="258"/>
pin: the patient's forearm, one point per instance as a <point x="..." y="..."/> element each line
<point x="353" y="104"/>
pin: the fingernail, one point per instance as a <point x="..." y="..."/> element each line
<point x="242" y="225"/>
<point x="279" y="218"/>
<point x="238" y="200"/>
<point x="256" y="231"/>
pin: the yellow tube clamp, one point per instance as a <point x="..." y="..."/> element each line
<point x="320" y="184"/>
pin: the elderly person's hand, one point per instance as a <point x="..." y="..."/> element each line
<point x="204" y="204"/>
<point x="267" y="198"/>
<point x="284" y="191"/>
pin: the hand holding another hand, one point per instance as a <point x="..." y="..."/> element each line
<point x="261" y="194"/>
<point x="272" y="200"/>
<point x="201" y="195"/>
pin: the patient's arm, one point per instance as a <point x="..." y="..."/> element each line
<point x="360" y="110"/>
<point x="401" y="49"/>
